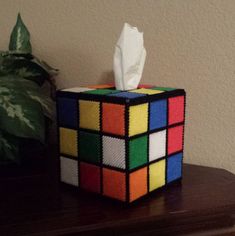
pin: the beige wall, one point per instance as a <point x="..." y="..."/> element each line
<point x="190" y="44"/>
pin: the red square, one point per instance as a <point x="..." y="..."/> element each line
<point x="113" y="118"/>
<point x="175" y="139"/>
<point x="145" y="86"/>
<point x="176" y="110"/>
<point x="114" y="184"/>
<point x="90" y="177"/>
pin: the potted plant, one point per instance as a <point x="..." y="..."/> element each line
<point x="26" y="110"/>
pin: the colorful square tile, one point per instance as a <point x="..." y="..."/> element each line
<point x="157" y="175"/>
<point x="101" y="86"/>
<point x="89" y="144"/>
<point x="67" y="112"/>
<point x="146" y="91"/>
<point x="175" y="139"/>
<point x="113" y="118"/>
<point x="176" y="110"/>
<point x="76" y="89"/>
<point x="68" y="141"/>
<point x="157" y="145"/>
<point x="69" y="171"/>
<point x="174" y="167"/>
<point x="114" y="184"/>
<point x="145" y="86"/>
<point x="89" y="115"/>
<point x="138" y="151"/>
<point x="102" y="91"/>
<point x="114" y="152"/>
<point x="138" y="184"/>
<point x="138" y="119"/>
<point x="158" y="114"/>
<point x="90" y="177"/>
<point x="163" y="88"/>
<point x="127" y="95"/>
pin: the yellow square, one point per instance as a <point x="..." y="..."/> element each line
<point x="89" y="115"/>
<point x="157" y="175"/>
<point x="68" y="142"/>
<point x="138" y="119"/>
<point x="146" y="91"/>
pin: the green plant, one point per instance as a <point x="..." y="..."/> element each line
<point x="24" y="106"/>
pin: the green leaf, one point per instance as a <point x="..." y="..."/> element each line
<point x="46" y="103"/>
<point x="21" y="117"/>
<point x="50" y="70"/>
<point x="20" y="38"/>
<point x="29" y="70"/>
<point x="9" y="148"/>
<point x="22" y="108"/>
<point x="25" y="67"/>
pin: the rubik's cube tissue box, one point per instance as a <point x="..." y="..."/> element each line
<point x="120" y="144"/>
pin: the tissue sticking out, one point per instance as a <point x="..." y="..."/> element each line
<point x="129" y="58"/>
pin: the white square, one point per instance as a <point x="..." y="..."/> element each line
<point x="114" y="152"/>
<point x="157" y="145"/>
<point x="69" y="171"/>
<point x="77" y="89"/>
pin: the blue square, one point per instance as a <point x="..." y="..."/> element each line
<point x="127" y="95"/>
<point x="158" y="114"/>
<point x="174" y="167"/>
<point x="67" y="112"/>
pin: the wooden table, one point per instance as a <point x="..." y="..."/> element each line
<point x="204" y="201"/>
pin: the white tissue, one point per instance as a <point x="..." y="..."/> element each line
<point x="129" y="58"/>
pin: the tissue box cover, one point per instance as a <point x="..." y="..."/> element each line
<point x="121" y="144"/>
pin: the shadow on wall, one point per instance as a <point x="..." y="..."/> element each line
<point x="106" y="77"/>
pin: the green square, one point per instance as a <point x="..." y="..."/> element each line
<point x="102" y="91"/>
<point x="89" y="147"/>
<point x="163" y="89"/>
<point x="138" y="152"/>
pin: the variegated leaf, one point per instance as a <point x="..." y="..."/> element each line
<point x="9" y="148"/>
<point x="20" y="38"/>
<point x="46" y="103"/>
<point x="21" y="108"/>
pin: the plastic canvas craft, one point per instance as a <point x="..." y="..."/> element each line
<point x="121" y="144"/>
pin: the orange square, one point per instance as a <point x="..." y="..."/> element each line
<point x="138" y="184"/>
<point x="114" y="184"/>
<point x="113" y="118"/>
<point x="101" y="86"/>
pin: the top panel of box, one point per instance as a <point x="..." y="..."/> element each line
<point x="108" y="93"/>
